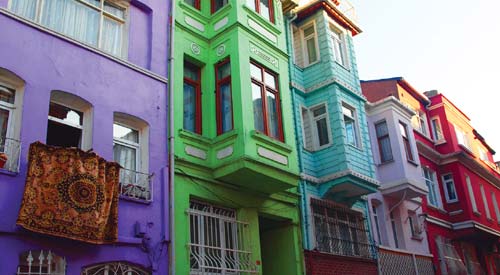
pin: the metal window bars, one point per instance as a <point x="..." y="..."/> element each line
<point x="341" y="231"/>
<point x="41" y="262"/>
<point x="136" y="185"/>
<point x="392" y="261"/>
<point x="12" y="150"/>
<point x="114" y="268"/>
<point x="451" y="263"/>
<point x="218" y="242"/>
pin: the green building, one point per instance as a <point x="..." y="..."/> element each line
<point x="236" y="167"/>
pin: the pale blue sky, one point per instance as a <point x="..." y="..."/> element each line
<point x="449" y="45"/>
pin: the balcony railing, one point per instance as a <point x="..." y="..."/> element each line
<point x="395" y="261"/>
<point x="41" y="263"/>
<point x="12" y="150"/>
<point x="136" y="185"/>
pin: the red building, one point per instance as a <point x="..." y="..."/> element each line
<point x="462" y="207"/>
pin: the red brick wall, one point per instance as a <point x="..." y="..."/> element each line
<point x="326" y="264"/>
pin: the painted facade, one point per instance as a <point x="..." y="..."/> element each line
<point x="236" y="167"/>
<point x="335" y="158"/>
<point x="109" y="69"/>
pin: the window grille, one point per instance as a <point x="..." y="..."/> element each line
<point x="136" y="185"/>
<point x="12" y="150"/>
<point x="115" y="268"/>
<point x="41" y="262"/>
<point x="451" y="263"/>
<point x="218" y="241"/>
<point x="340" y="230"/>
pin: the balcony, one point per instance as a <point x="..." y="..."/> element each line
<point x="405" y="187"/>
<point x="397" y="261"/>
<point x="345" y="186"/>
<point x="135" y="185"/>
<point x="10" y="151"/>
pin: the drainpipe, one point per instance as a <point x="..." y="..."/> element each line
<point x="171" y="148"/>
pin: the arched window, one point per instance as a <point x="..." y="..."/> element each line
<point x="115" y="268"/>
<point x="11" y="98"/>
<point x="41" y="262"/>
<point x="131" y="151"/>
<point x="70" y="121"/>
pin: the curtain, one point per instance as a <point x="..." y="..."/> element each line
<point x="24" y="8"/>
<point x="112" y="36"/>
<point x="126" y="157"/>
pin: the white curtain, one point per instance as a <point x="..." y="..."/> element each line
<point x="25" y="8"/>
<point x="112" y="36"/>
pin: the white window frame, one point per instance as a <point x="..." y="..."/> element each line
<point x="421" y="120"/>
<point x="356" y="125"/>
<point x="437" y="133"/>
<point x="304" y="39"/>
<point x="339" y="44"/>
<point x="471" y="195"/>
<point x="445" y="187"/>
<point x="483" y="154"/>
<point x="495" y="205"/>
<point x="313" y="126"/>
<point x="485" y="202"/>
<point x="462" y="137"/>
<point x="394" y="228"/>
<point x="415" y="226"/>
<point x="433" y="186"/>
<point x="102" y="14"/>
<point x="130" y="144"/>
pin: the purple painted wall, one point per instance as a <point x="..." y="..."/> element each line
<point x="46" y="62"/>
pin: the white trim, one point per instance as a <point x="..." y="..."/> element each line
<point x="312" y="120"/>
<point x="445" y="187"/>
<point x="314" y="35"/>
<point x="354" y="117"/>
<point x="333" y="27"/>
<point x="471" y="195"/>
<point x="485" y="202"/>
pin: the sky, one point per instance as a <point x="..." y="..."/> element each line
<point x="448" y="45"/>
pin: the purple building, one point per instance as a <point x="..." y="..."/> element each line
<point x="90" y="74"/>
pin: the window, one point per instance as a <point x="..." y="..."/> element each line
<point x="266" y="101"/>
<point x="263" y="7"/>
<point x="69" y="121"/>
<point x="434" y="197"/>
<point x="375" y="205"/>
<point x="406" y="141"/>
<point x="462" y="138"/>
<point x="310" y="44"/>
<point x="350" y="124"/>
<point x="394" y="230"/>
<point x="192" y="98"/>
<point x="415" y="228"/>
<point x="11" y="91"/>
<point x="437" y="132"/>
<point x="193" y="3"/>
<point x="340" y="230"/>
<point x="420" y="121"/>
<point x="218" y="4"/>
<point x="218" y="241"/>
<point x="495" y="205"/>
<point x="115" y="268"/>
<point x="130" y="150"/>
<point x="483" y="154"/>
<point x="449" y="188"/>
<point x="384" y="143"/>
<point x="316" y="129"/>
<point x="100" y="24"/>
<point x="41" y="262"/>
<point x="485" y="202"/>
<point x="339" y="46"/>
<point x="224" y="97"/>
<point x="471" y="195"/>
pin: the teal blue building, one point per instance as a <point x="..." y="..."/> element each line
<point x="336" y="164"/>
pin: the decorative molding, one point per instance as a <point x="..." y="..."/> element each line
<point x="267" y="57"/>
<point x="340" y="174"/>
<point x="194" y="23"/>
<point x="221" y="23"/>
<point x="457" y="212"/>
<point x="224" y="153"/>
<point x="221" y="49"/>
<point x="324" y="84"/>
<point x="261" y="30"/>
<point x="263" y="152"/>
<point x="195" y="152"/>
<point x="195" y="48"/>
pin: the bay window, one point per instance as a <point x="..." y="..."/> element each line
<point x="384" y="143"/>
<point x="192" y="98"/>
<point x="263" y="7"/>
<point x="98" y="23"/>
<point x="224" y="105"/>
<point x="266" y="101"/>
<point x="351" y="125"/>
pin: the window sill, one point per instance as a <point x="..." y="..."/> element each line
<point x="126" y="198"/>
<point x="343" y="66"/>
<point x="385" y="163"/>
<point x="194" y="137"/>
<point x="417" y="238"/>
<point x="355" y="147"/>
<point x="465" y="149"/>
<point x="262" y="20"/>
<point x="440" y="142"/>
<point x="8" y="173"/>
<point x="452" y="201"/>
<point x="413" y="163"/>
<point x="437" y="208"/>
<point x="271" y="141"/>
<point x="478" y="214"/>
<point x="85" y="46"/>
<point x="216" y="14"/>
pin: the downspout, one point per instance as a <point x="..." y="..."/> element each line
<point x="171" y="148"/>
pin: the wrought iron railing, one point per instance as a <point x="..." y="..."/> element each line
<point x="136" y="185"/>
<point x="395" y="261"/>
<point x="41" y="263"/>
<point x="218" y="243"/>
<point x="12" y="150"/>
<point x="114" y="268"/>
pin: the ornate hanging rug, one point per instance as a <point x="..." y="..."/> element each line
<point x="70" y="193"/>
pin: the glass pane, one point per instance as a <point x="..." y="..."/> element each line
<point x="226" y="108"/>
<point x="264" y="9"/>
<point x="348" y="112"/>
<point x="311" y="50"/>
<point x="24" y="8"/>
<point x="125" y="156"/>
<point x="125" y="133"/>
<point x="4" y="123"/>
<point x="7" y="94"/>
<point x="319" y="111"/>
<point x="191" y="72"/>
<point x="257" y="108"/>
<point x="224" y="71"/>
<point x="116" y="11"/>
<point x="218" y="4"/>
<point x="350" y="131"/>
<point x="270" y="80"/>
<point x="308" y="31"/>
<point x="65" y="114"/>
<point x="192" y="3"/>
<point x="385" y="149"/>
<point x="381" y="129"/>
<point x="272" y="115"/>
<point x="255" y="72"/>
<point x="321" y="125"/>
<point x="111" y="40"/>
<point x="402" y="128"/>
<point x="189" y="108"/>
<point x="73" y="19"/>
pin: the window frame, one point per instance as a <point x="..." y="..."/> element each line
<point x="485" y="201"/>
<point x="462" y="138"/>
<point x="263" y="89"/>
<point x="495" y="206"/>
<point x="196" y="4"/>
<point x="415" y="226"/>
<point x="212" y="6"/>
<point x="304" y="39"/>
<point x="376" y="220"/>
<point x="421" y="118"/>
<point x="394" y="229"/>
<point x="472" y="196"/>
<point x="339" y="47"/>
<point x="198" y="94"/>
<point x="354" y="118"/>
<point x="433" y="187"/>
<point x="271" y="9"/>
<point x="445" y="187"/>
<point x="437" y="135"/>
<point x="379" y="138"/>
<point x="218" y="100"/>
<point x="406" y="142"/>
<point x="312" y="120"/>
<point x="10" y="108"/>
